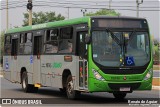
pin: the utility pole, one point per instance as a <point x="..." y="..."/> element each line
<point x="68" y="12"/>
<point x="83" y="11"/>
<point x="138" y="3"/>
<point x="7" y="19"/>
<point x="30" y="17"/>
<point x="110" y="4"/>
<point x="29" y="7"/>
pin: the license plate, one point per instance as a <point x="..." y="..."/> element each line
<point x="125" y="89"/>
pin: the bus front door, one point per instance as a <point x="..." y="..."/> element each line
<point x="14" y="62"/>
<point x="37" y="50"/>
<point x="82" y="53"/>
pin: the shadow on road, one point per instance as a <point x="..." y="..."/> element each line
<point x="54" y="96"/>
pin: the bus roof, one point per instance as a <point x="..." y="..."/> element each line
<point x="49" y="25"/>
<point x="118" y="17"/>
<point x="62" y="23"/>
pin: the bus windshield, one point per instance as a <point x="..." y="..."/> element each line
<point x="115" y="49"/>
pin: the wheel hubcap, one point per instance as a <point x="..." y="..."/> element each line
<point x="24" y="83"/>
<point x="70" y="87"/>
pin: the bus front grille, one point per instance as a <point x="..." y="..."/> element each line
<point x="123" y="71"/>
<point x="116" y="86"/>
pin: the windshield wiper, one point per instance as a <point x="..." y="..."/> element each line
<point x="120" y="44"/>
<point x="114" y="37"/>
<point x="129" y="39"/>
<point x="131" y="36"/>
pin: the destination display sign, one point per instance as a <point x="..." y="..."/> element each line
<point x="119" y="23"/>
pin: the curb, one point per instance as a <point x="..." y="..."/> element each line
<point x="156" y="87"/>
<point x="1" y="76"/>
<point x="1" y="73"/>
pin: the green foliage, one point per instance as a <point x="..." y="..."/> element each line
<point x="156" y="42"/>
<point x="157" y="52"/>
<point x="156" y="49"/>
<point x="103" y="12"/>
<point x="1" y="46"/>
<point x="42" y="17"/>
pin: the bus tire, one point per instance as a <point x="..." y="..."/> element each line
<point x="71" y="93"/>
<point x="25" y="86"/>
<point x="119" y="95"/>
<point x="34" y="89"/>
<point x="62" y="90"/>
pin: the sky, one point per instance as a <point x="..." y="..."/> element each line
<point x="16" y="14"/>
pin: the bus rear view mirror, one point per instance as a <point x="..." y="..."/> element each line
<point x="87" y="39"/>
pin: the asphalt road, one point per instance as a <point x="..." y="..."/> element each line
<point x="11" y="90"/>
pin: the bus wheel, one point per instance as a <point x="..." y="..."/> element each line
<point x="119" y="95"/>
<point x="62" y="90"/>
<point x="71" y="93"/>
<point x="25" y="86"/>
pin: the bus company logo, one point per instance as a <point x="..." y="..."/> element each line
<point x="39" y="26"/>
<point x="124" y="78"/>
<point x="6" y="101"/>
<point x="15" y="36"/>
<point x="52" y="65"/>
<point x="80" y="27"/>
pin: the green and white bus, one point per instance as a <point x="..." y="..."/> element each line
<point x="88" y="54"/>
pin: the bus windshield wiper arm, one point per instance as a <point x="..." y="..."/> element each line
<point x="114" y="37"/>
<point x="131" y="36"/>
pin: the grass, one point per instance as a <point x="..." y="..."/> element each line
<point x="156" y="82"/>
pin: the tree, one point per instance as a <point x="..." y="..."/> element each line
<point x="1" y="46"/>
<point x="156" y="50"/>
<point x="103" y="12"/>
<point x="156" y="42"/>
<point x="41" y="17"/>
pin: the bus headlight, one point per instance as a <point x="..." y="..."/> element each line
<point x="149" y="74"/>
<point x="97" y="75"/>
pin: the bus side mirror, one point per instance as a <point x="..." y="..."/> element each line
<point x="87" y="39"/>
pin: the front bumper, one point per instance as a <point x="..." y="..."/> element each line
<point x="111" y="86"/>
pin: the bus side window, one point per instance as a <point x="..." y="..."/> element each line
<point x="65" y="43"/>
<point x="21" y="38"/>
<point x="28" y="43"/>
<point x="14" y="50"/>
<point x="47" y="35"/>
<point x="29" y="38"/>
<point x="54" y="34"/>
<point x="8" y="39"/>
<point x="7" y="45"/>
<point x="51" y="41"/>
<point x="21" y="45"/>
